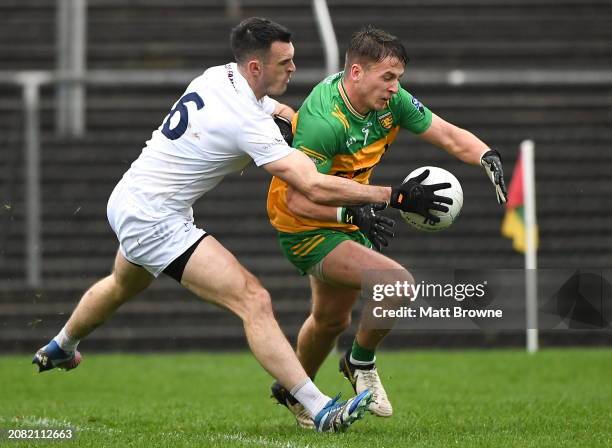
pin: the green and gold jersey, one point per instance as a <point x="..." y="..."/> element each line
<point x="342" y="142"/>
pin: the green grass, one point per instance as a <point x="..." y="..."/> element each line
<point x="555" y="398"/>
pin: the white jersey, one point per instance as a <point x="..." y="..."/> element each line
<point x="217" y="127"/>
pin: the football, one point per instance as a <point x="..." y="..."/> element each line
<point x="436" y="176"/>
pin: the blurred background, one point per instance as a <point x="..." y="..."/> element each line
<point x="83" y="83"/>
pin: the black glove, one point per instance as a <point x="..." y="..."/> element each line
<point x="491" y="161"/>
<point x="371" y="223"/>
<point x="412" y="196"/>
<point x="284" y="126"/>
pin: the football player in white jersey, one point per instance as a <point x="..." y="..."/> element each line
<point x="222" y="122"/>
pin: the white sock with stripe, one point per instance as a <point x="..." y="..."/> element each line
<point x="65" y="341"/>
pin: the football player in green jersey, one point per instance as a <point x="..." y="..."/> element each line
<point x="345" y="125"/>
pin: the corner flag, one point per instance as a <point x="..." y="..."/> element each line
<point x="513" y="225"/>
<point x="520" y="225"/>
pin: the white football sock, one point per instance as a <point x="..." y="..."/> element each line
<point x="358" y="363"/>
<point x="65" y="341"/>
<point x="310" y="396"/>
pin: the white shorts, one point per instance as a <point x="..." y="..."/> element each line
<point x="150" y="242"/>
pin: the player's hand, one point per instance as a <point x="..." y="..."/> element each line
<point x="412" y="196"/>
<point x="491" y="161"/>
<point x="284" y="126"/>
<point x="371" y="223"/>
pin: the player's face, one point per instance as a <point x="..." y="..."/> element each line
<point x="278" y="68"/>
<point x="379" y="82"/>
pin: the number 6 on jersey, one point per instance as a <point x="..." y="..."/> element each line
<point x="181" y="108"/>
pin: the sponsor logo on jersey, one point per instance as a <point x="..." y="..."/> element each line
<point x="386" y="120"/>
<point x="418" y="105"/>
<point x="275" y="142"/>
<point x="230" y="75"/>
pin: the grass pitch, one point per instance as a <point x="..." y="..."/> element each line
<point x="555" y="398"/>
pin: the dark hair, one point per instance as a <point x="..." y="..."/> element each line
<point x="254" y="35"/>
<point x="373" y="45"/>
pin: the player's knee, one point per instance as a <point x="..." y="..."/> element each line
<point x="257" y="299"/>
<point x="260" y="305"/>
<point x="394" y="275"/>
<point x="332" y="324"/>
<point x="124" y="289"/>
<point x="119" y="291"/>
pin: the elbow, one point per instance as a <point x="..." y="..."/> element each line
<point x="317" y="197"/>
<point x="315" y="192"/>
<point x="312" y="188"/>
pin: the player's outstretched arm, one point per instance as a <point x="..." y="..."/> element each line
<point x="301" y="206"/>
<point x="377" y="227"/>
<point x="456" y="141"/>
<point x="470" y="149"/>
<point x="299" y="172"/>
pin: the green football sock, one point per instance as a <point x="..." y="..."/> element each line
<point x="360" y="354"/>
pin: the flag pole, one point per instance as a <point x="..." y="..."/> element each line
<point x="531" y="257"/>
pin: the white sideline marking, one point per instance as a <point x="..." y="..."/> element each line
<point x="51" y="422"/>
<point x="259" y="441"/>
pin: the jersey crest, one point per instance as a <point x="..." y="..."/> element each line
<point x="386" y="120"/>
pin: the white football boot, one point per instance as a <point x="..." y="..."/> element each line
<point x="366" y="378"/>
<point x="284" y="397"/>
